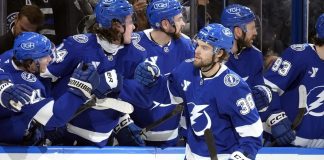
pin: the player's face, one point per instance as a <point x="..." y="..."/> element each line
<point x="203" y="55"/>
<point x="23" y="25"/>
<point x="129" y="27"/>
<point x="250" y="34"/>
<point x="178" y="25"/>
<point x="43" y="63"/>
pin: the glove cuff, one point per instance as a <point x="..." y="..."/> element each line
<point x="123" y="122"/>
<point x="275" y="118"/>
<point x="237" y="155"/>
<point x="84" y="87"/>
<point x="111" y="78"/>
<point x="3" y="87"/>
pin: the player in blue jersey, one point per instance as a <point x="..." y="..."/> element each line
<point x="32" y="53"/>
<point x="295" y="116"/>
<point x="108" y="47"/>
<point x="165" y="46"/>
<point x="215" y="98"/>
<point x="245" y="59"/>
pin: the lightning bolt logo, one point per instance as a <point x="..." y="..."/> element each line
<point x="196" y="112"/>
<point x="318" y="102"/>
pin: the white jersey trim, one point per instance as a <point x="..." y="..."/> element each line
<point x="161" y="135"/>
<point x="252" y="130"/>
<point x="274" y="87"/>
<point x="308" y="143"/>
<point x="45" y="113"/>
<point x="87" y="134"/>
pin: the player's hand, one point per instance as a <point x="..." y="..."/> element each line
<point x="110" y="81"/>
<point x="147" y="73"/>
<point x="281" y="128"/>
<point x="238" y="156"/>
<point x="127" y="132"/>
<point x="14" y="97"/>
<point x="262" y="97"/>
<point x="83" y="80"/>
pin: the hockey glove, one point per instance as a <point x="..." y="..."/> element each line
<point x="262" y="97"/>
<point x="238" y="156"/>
<point x="127" y="132"/>
<point x="110" y="81"/>
<point x="35" y="135"/>
<point x="281" y="128"/>
<point x="83" y="80"/>
<point x="147" y="73"/>
<point x="14" y="97"/>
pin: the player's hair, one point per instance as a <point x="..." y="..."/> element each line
<point x="33" y="14"/>
<point x="224" y="57"/>
<point x="22" y="63"/>
<point x="318" y="41"/>
<point x="108" y="34"/>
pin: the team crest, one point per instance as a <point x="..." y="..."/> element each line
<point x="81" y="38"/>
<point x="298" y="47"/>
<point x="135" y="40"/>
<point x="231" y="80"/>
<point x="28" y="77"/>
<point x="11" y="20"/>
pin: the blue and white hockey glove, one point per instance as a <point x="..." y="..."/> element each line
<point x="281" y="128"/>
<point x="14" y="97"/>
<point x="83" y="80"/>
<point x="262" y="97"/>
<point x="237" y="155"/>
<point x="147" y="73"/>
<point x="110" y="81"/>
<point x="127" y="132"/>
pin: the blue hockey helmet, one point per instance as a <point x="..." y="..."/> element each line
<point x="159" y="10"/>
<point x="320" y="26"/>
<point x="217" y="36"/>
<point x="107" y="10"/>
<point x="31" y="45"/>
<point x="237" y="15"/>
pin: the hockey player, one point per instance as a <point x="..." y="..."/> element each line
<point x="215" y="97"/>
<point x="32" y="53"/>
<point x="297" y="80"/>
<point x="245" y="59"/>
<point x="108" y="48"/>
<point x="165" y="46"/>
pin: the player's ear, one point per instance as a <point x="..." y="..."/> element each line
<point x="164" y="24"/>
<point x="237" y="32"/>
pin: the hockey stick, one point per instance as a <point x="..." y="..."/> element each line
<point x="178" y="109"/>
<point x="210" y="141"/>
<point x="301" y="109"/>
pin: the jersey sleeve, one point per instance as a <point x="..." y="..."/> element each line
<point x="238" y="104"/>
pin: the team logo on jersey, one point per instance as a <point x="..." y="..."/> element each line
<point x="199" y="118"/>
<point x="11" y="20"/>
<point x="136" y="38"/>
<point x="313" y="72"/>
<point x="315" y="101"/>
<point x="108" y="1"/>
<point x="185" y="85"/>
<point x="231" y="80"/>
<point x="81" y="38"/>
<point x="28" y="77"/>
<point x="298" y="47"/>
<point x="227" y="32"/>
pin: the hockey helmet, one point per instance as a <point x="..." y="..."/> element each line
<point x="236" y="15"/>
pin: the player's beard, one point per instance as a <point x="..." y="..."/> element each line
<point x="244" y="42"/>
<point x="204" y="66"/>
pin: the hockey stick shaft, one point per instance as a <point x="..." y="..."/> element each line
<point x="178" y="109"/>
<point x="210" y="141"/>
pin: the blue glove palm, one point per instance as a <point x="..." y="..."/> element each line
<point x="147" y="73"/>
<point x="262" y="97"/>
<point x="109" y="82"/>
<point x="84" y="79"/>
<point x="281" y="129"/>
<point x="14" y="97"/>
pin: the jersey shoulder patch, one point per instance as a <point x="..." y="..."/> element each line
<point x="29" y="77"/>
<point x="81" y="38"/>
<point x="231" y="80"/>
<point x="136" y="38"/>
<point x="298" y="47"/>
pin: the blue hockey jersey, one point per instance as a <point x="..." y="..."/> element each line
<point x="248" y="64"/>
<point x="93" y="126"/>
<point x="166" y="58"/>
<point x="222" y="103"/>
<point x="42" y="108"/>
<point x="299" y="65"/>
